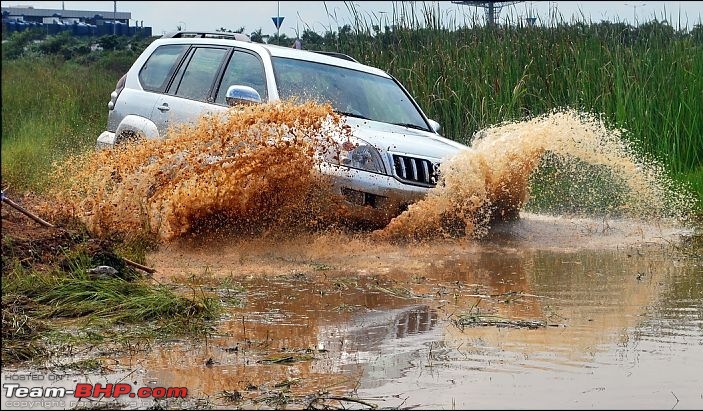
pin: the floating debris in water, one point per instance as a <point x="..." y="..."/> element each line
<point x="476" y="320"/>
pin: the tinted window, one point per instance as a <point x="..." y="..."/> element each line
<point x="351" y="92"/>
<point x="157" y="68"/>
<point x="200" y="74"/>
<point x="243" y="69"/>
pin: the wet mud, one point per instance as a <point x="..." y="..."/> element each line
<point x="472" y="298"/>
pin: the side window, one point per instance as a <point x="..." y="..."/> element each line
<point x="155" y="72"/>
<point x="243" y="69"/>
<point x="202" y="69"/>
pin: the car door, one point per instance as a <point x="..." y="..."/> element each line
<point x="153" y="77"/>
<point x="244" y="68"/>
<point x="189" y="95"/>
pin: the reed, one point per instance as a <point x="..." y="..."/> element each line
<point x="647" y="80"/>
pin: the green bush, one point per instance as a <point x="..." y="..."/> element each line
<point x="17" y="43"/>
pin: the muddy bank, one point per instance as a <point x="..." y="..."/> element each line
<point x="63" y="289"/>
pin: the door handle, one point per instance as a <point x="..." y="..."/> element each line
<point x="163" y="107"/>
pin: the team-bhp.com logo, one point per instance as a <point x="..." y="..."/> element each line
<point x="18" y="393"/>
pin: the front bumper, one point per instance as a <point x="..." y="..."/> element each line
<point x="371" y="197"/>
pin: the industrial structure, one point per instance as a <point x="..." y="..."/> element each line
<point x="492" y="8"/>
<point x="78" y="22"/>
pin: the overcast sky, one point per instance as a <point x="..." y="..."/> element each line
<point x="165" y="16"/>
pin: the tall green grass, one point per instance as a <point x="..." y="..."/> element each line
<point x="647" y="80"/>
<point x="50" y="108"/>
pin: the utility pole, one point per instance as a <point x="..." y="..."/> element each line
<point x="634" y="11"/>
<point x="114" y="19"/>
<point x="381" y="16"/>
<point x="530" y="18"/>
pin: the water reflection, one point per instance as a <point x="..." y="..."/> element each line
<point x="625" y="325"/>
<point x="629" y="334"/>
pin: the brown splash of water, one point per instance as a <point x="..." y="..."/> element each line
<point x="252" y="172"/>
<point x="251" y="169"/>
<point x="491" y="180"/>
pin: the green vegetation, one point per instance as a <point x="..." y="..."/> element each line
<point x="54" y="99"/>
<point x="50" y="108"/>
<point x="647" y="80"/>
<point x="568" y="186"/>
<point x="40" y="305"/>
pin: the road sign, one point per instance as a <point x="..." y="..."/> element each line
<point x="277" y="21"/>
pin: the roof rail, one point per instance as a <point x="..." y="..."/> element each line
<point x="335" y="54"/>
<point x="209" y="35"/>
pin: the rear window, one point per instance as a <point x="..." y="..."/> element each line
<point x="157" y="69"/>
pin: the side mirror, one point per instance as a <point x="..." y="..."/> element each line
<point x="435" y="126"/>
<point x="242" y="95"/>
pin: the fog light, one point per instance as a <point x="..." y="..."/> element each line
<point x="361" y="198"/>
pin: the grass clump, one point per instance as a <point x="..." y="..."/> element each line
<point x="36" y="304"/>
<point x="20" y="329"/>
<point x="116" y="300"/>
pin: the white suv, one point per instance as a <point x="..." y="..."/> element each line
<point x="182" y="76"/>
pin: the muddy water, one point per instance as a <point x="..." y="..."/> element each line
<point x="252" y="171"/>
<point x="463" y="301"/>
<point x="595" y="314"/>
<point x="249" y="170"/>
<point x="619" y="314"/>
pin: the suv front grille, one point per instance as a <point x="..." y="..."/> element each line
<point x="418" y="171"/>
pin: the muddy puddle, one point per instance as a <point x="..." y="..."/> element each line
<point x="455" y="304"/>
<point x="545" y="313"/>
<point x="592" y="314"/>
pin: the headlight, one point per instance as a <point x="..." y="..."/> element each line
<point x="358" y="154"/>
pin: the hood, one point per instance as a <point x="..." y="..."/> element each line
<point x="387" y="137"/>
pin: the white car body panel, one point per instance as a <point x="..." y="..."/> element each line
<point x="152" y="113"/>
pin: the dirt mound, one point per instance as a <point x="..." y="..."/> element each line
<point x="34" y="246"/>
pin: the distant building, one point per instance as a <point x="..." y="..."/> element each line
<point x="79" y="22"/>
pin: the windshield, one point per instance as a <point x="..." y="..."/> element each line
<point x="350" y="92"/>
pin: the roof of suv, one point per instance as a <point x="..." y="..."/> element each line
<point x="242" y="40"/>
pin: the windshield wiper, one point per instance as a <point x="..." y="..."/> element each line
<point x="348" y="114"/>
<point x="410" y="125"/>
